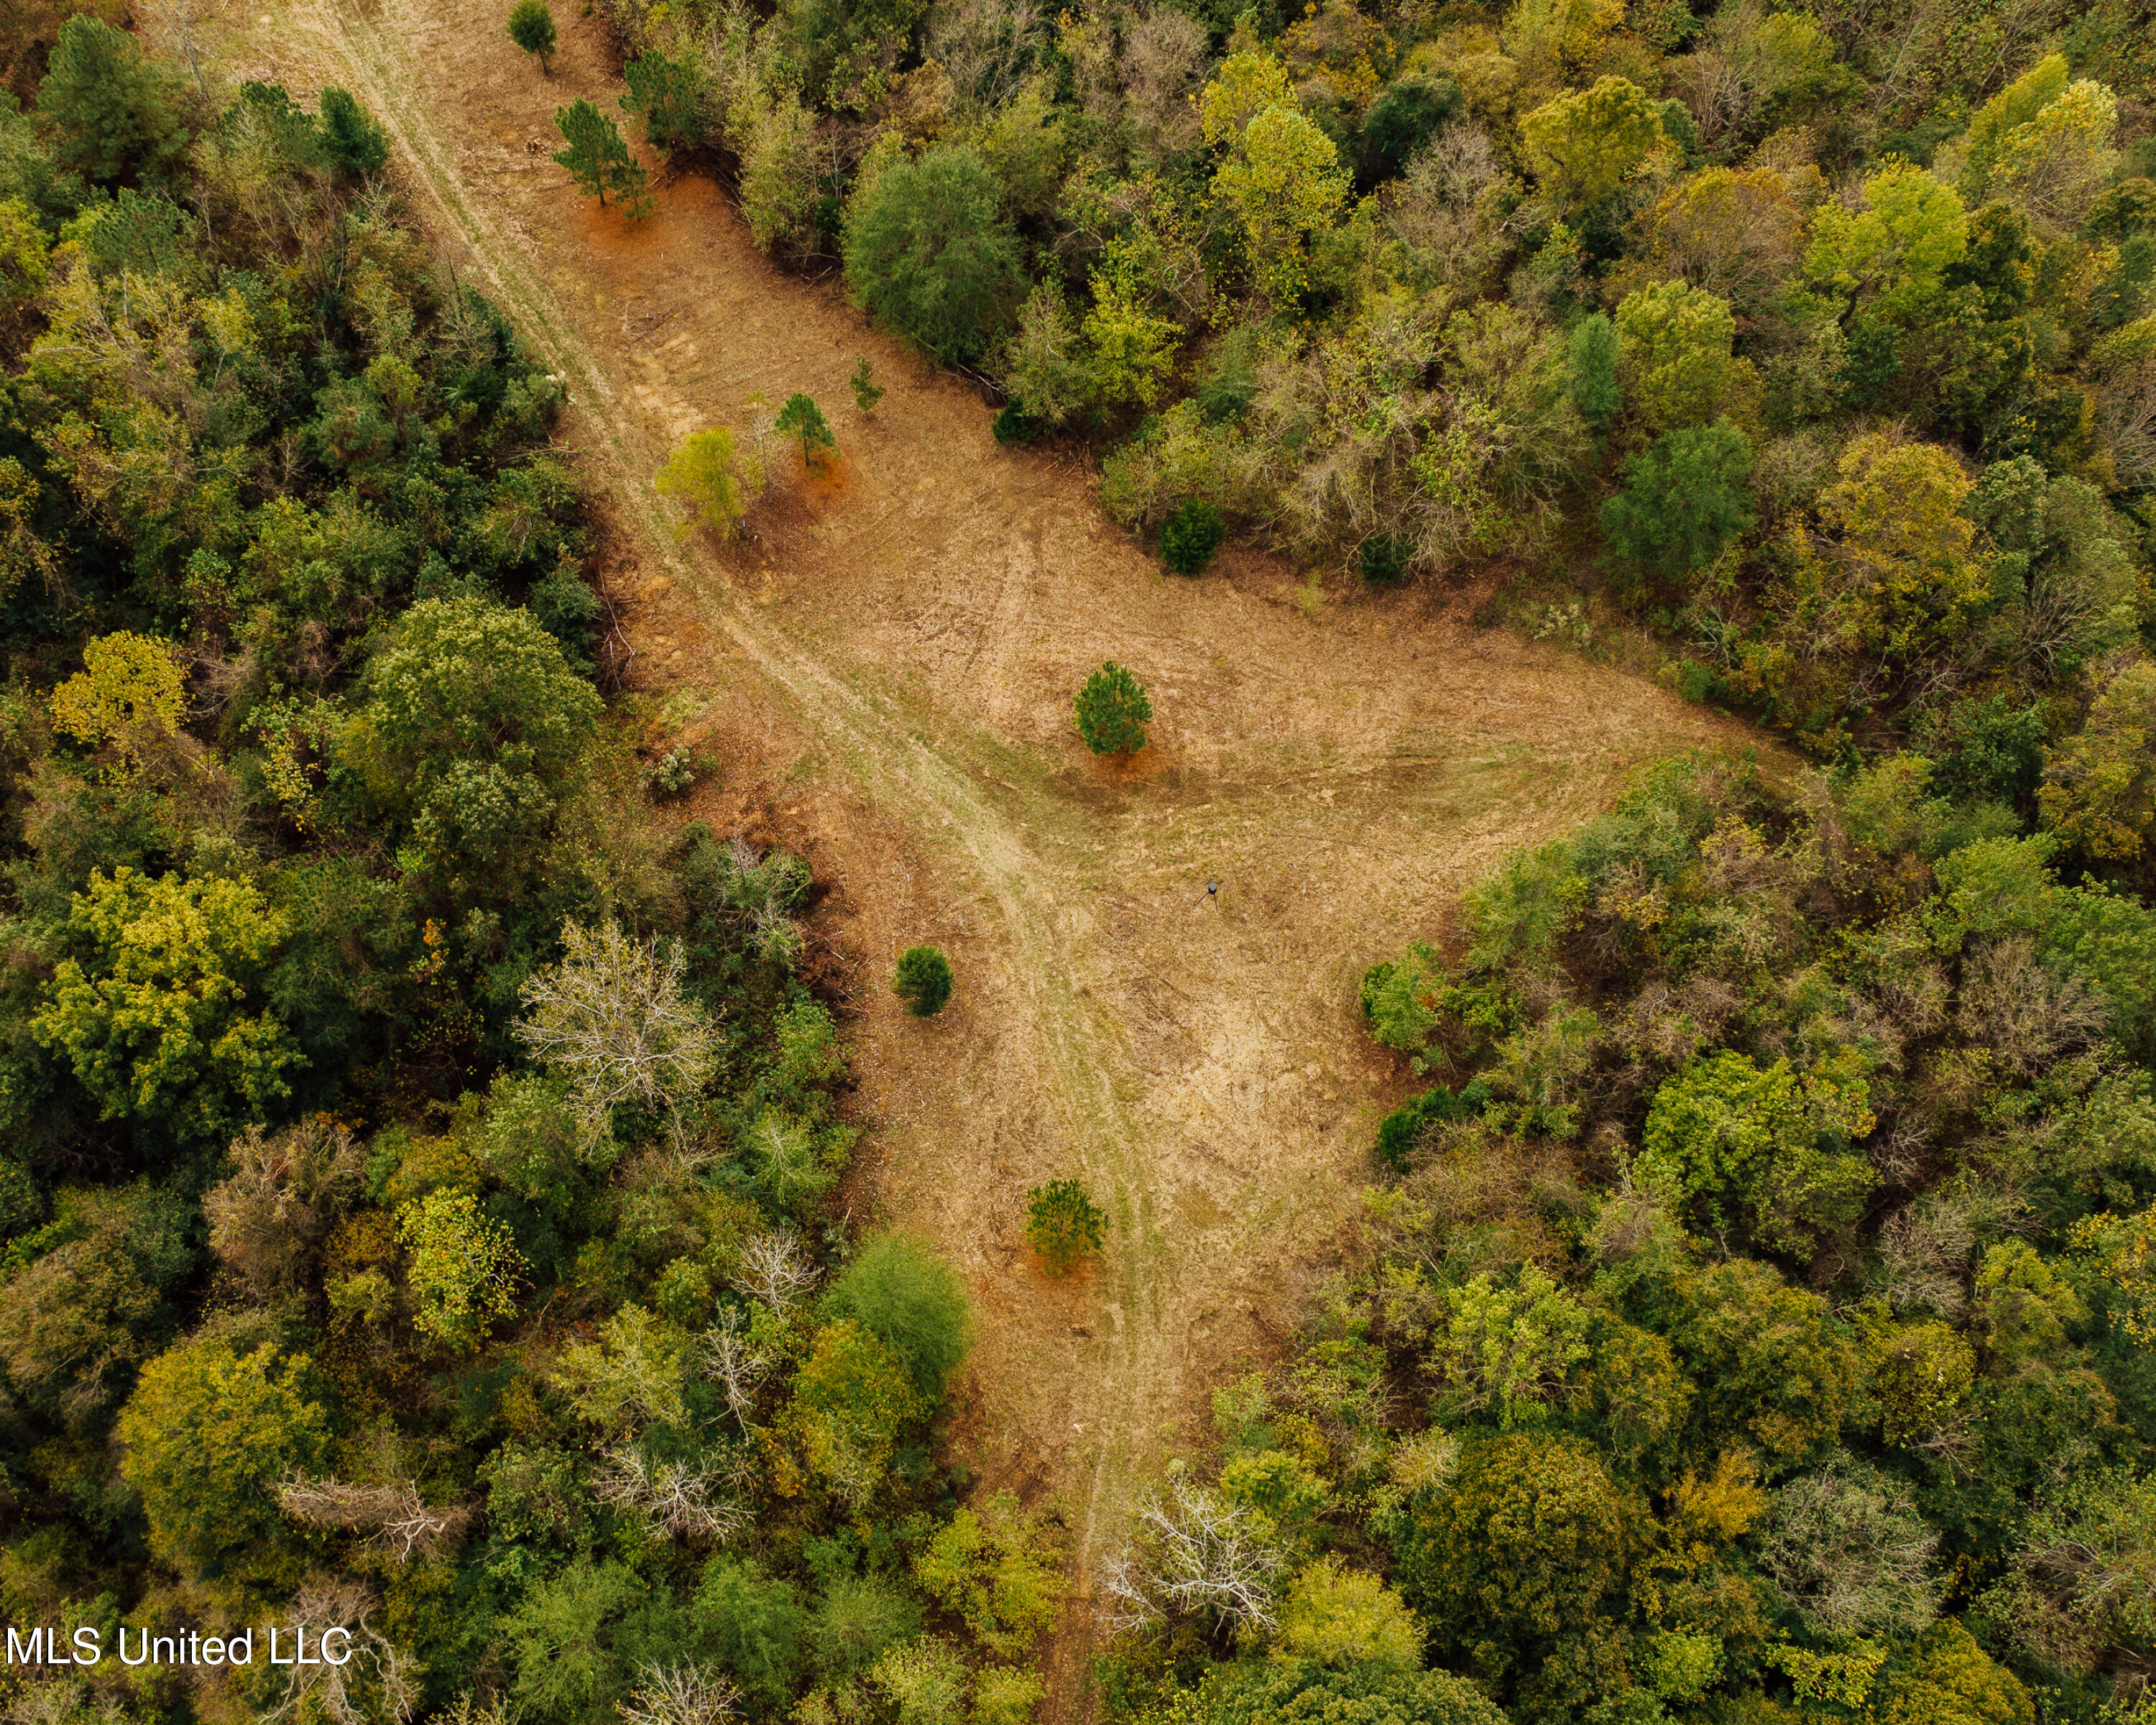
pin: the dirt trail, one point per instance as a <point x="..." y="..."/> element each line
<point x="894" y="651"/>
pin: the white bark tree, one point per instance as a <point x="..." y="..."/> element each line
<point x="1197" y="1554"/>
<point x="612" y="1018"/>
<point x="403" y="1522"/>
<point x="679" y="1695"/>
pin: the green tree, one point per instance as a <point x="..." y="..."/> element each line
<point x="997" y="1572"/>
<point x="208" y="1436"/>
<point x="1189" y="536"/>
<point x="1918" y="1375"/>
<point x="473" y="727"/>
<point x="1591" y="363"/>
<point x="706" y="473"/>
<point x="1734" y="1144"/>
<point x="1904" y="570"/>
<point x="2077" y="1582"/>
<point x="1774" y="1367"/>
<point x="1284" y="183"/>
<point x="924" y="1681"/>
<point x="353" y="140"/>
<point x="907" y="1298"/>
<point x="77" y="1319"/>
<point x="1894" y="247"/>
<point x="599" y="159"/>
<point x="1508" y="1351"/>
<point x="462" y="1267"/>
<point x="1112" y="711"/>
<point x="1685" y="499"/>
<point x="115" y="112"/>
<point x="923" y="981"/>
<point x="1064" y="1226"/>
<point x="927" y="251"/>
<point x="1674" y="355"/>
<point x="1585" y="144"/>
<point x="852" y="1397"/>
<point x="130" y="695"/>
<point x="566" y="1642"/>
<point x="801" y="418"/>
<point x="2099" y="788"/>
<point x="855" y="1620"/>
<point x="1301" y="1691"/>
<point x="1944" y="1678"/>
<point x="24" y="267"/>
<point x="531" y="29"/>
<point x="669" y="95"/>
<point x="151" y="1006"/>
<point x="867" y="392"/>
<point x="631" y="1377"/>
<point x="1526" y="1545"/>
<point x="756" y="1625"/>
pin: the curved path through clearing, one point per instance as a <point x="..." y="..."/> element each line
<point x="892" y="655"/>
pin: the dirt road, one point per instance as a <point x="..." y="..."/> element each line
<point x="892" y="657"/>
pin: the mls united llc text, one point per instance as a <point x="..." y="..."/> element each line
<point x="284" y="1646"/>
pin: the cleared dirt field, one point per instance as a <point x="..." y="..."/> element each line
<point x="886" y="666"/>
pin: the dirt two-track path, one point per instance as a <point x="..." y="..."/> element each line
<point x="888" y="660"/>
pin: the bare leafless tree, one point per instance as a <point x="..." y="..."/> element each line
<point x="776" y="1269"/>
<point x="988" y="48"/>
<point x="1847" y="1547"/>
<point x="679" y="1695"/>
<point x="374" y="1680"/>
<point x="1924" y="1250"/>
<point x="1196" y="1553"/>
<point x="683" y="1499"/>
<point x="403" y="1522"/>
<point x="57" y="1701"/>
<point x="1162" y="63"/>
<point x="2028" y="1014"/>
<point x="611" y="1017"/>
<point x="735" y="1365"/>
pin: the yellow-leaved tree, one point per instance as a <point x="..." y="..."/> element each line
<point x="152" y="1007"/>
<point x="2099" y="790"/>
<point x="1285" y="183"/>
<point x="708" y="474"/>
<point x="128" y="692"/>
<point x="1585" y="144"/>
<point x="1904" y="553"/>
<point x="1674" y="363"/>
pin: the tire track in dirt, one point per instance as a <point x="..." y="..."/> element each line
<point x="915" y="626"/>
<point x="899" y="769"/>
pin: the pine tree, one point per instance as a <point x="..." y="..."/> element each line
<point x="803" y="418"/>
<point x="1112" y="711"/>
<point x="353" y="140"/>
<point x="923" y="981"/>
<point x="598" y="158"/>
<point x="115" y="112"/>
<point x="667" y="95"/>
<point x="867" y="392"/>
<point x="531" y="29"/>
<point x="1062" y="1225"/>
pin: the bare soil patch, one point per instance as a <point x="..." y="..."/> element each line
<point x="887" y="662"/>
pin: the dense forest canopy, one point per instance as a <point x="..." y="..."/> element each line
<point x="417" y="1141"/>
